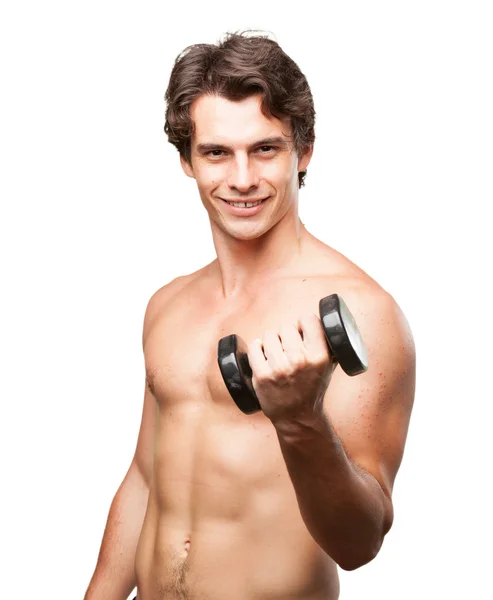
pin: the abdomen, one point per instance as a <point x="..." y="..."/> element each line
<point x="224" y="488"/>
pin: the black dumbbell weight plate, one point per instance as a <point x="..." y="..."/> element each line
<point x="237" y="374"/>
<point x="343" y="335"/>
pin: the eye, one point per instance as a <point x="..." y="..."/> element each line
<point x="212" y="153"/>
<point x="268" y="148"/>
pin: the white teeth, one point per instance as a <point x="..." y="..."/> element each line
<point x="245" y="204"/>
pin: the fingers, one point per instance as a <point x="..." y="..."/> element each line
<point x="314" y="337"/>
<point x="292" y="346"/>
<point x="267" y="354"/>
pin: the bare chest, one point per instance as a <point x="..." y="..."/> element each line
<point x="181" y="348"/>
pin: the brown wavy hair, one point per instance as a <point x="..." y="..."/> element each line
<point x="240" y="66"/>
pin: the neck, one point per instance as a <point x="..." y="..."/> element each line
<point x="243" y="265"/>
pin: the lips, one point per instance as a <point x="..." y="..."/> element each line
<point x="245" y="211"/>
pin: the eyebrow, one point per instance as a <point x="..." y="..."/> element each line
<point x="207" y="147"/>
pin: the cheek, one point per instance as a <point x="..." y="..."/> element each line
<point x="204" y="182"/>
<point x="208" y="178"/>
<point x="273" y="174"/>
<point x="281" y="172"/>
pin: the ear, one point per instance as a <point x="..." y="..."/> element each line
<point x="305" y="158"/>
<point x="187" y="167"/>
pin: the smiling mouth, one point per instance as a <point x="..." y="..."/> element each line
<point x="244" y="204"/>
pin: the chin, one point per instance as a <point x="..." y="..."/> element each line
<point x="245" y="235"/>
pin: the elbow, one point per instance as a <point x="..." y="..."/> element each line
<point x="355" y="558"/>
<point x="355" y="561"/>
<point x="365" y="548"/>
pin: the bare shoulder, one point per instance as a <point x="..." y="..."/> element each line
<point x="383" y="325"/>
<point x="374" y="308"/>
<point x="377" y="313"/>
<point x="162" y="298"/>
<point x="371" y="412"/>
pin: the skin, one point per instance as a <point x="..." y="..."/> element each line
<point x="264" y="506"/>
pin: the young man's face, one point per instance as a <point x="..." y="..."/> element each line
<point x="241" y="156"/>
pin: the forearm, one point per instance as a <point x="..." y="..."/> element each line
<point x="114" y="576"/>
<point x="344" y="508"/>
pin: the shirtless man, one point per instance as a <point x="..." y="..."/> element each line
<point x="218" y="505"/>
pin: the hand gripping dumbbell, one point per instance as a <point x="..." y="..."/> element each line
<point x="343" y="338"/>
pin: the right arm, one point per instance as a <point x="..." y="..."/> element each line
<point x="114" y="575"/>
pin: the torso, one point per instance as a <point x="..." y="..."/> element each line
<point x="222" y="520"/>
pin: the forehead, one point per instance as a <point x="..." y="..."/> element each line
<point x="220" y="120"/>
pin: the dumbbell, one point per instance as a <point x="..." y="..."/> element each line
<point x="343" y="338"/>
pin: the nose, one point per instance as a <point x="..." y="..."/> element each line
<point x="243" y="175"/>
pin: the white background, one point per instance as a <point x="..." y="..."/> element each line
<point x="96" y="215"/>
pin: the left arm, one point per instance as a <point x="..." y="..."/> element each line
<point x="343" y="452"/>
<point x="343" y="506"/>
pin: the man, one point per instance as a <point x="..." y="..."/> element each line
<point x="217" y="504"/>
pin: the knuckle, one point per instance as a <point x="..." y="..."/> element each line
<point x="320" y="360"/>
<point x="261" y="379"/>
<point x="298" y="363"/>
<point x="282" y="371"/>
<point x="309" y="318"/>
<point x="263" y="376"/>
<point x="278" y="373"/>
